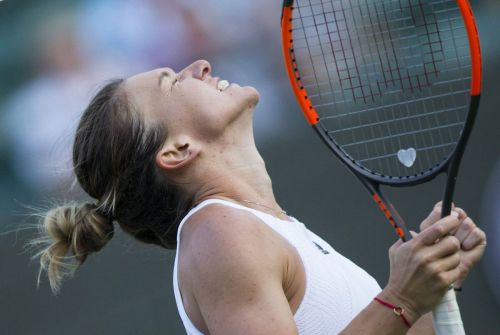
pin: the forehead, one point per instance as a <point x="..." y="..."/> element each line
<point x="143" y="89"/>
<point x="149" y="79"/>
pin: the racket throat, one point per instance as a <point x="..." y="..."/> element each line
<point x="389" y="211"/>
<point x="382" y="201"/>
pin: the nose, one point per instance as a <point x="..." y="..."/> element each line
<point x="199" y="69"/>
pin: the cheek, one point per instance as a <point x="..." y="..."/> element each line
<point x="208" y="112"/>
<point x="203" y="114"/>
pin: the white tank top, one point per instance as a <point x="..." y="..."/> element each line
<point x="336" y="288"/>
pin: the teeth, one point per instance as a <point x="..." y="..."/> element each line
<point x="222" y="85"/>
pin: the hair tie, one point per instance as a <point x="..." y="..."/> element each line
<point x="103" y="211"/>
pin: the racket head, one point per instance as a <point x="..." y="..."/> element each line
<point x="392" y="86"/>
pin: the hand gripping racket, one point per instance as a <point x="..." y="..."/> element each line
<point x="393" y="88"/>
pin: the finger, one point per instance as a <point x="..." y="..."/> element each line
<point x="465" y="228"/>
<point x="449" y="277"/>
<point x="440" y="229"/>
<point x="434" y="216"/>
<point x="448" y="263"/>
<point x="446" y="247"/>
<point x="468" y="261"/>
<point x="462" y="215"/>
<point x="475" y="238"/>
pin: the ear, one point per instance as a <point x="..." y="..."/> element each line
<point x="174" y="156"/>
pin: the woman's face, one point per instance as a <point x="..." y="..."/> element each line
<point x="189" y="101"/>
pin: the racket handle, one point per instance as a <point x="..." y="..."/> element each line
<point x="446" y="316"/>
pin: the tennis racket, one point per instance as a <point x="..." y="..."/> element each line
<point x="393" y="88"/>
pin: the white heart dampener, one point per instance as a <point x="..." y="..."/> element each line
<point x="407" y="157"/>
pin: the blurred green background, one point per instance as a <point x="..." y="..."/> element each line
<point x="55" y="54"/>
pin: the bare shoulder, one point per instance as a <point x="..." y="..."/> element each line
<point x="221" y="238"/>
<point x="235" y="267"/>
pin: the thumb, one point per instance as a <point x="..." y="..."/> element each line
<point x="434" y="216"/>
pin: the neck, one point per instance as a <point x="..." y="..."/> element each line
<point x="237" y="173"/>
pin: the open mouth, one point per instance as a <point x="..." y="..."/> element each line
<point x="222" y="85"/>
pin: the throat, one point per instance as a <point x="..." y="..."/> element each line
<point x="249" y="186"/>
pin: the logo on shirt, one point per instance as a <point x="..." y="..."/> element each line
<point x="320" y="248"/>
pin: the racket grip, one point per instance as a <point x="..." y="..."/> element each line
<point x="446" y="316"/>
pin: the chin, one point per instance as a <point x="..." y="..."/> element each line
<point x="244" y="98"/>
<point x="253" y="94"/>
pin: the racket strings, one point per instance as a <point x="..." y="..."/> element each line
<point x="347" y="53"/>
<point x="389" y="78"/>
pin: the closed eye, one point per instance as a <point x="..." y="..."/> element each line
<point x="164" y="75"/>
<point x="174" y="82"/>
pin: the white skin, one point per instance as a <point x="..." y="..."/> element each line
<point x="257" y="287"/>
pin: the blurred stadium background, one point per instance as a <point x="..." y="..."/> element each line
<point x="53" y="57"/>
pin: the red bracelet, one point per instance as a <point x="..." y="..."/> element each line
<point x="399" y="311"/>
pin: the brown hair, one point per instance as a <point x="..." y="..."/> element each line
<point x="114" y="162"/>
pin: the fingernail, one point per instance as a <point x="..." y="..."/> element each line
<point x="454" y="214"/>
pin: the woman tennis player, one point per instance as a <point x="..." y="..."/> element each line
<point x="171" y="158"/>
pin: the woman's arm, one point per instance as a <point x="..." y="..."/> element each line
<point x="424" y="326"/>
<point x="421" y="271"/>
<point x="238" y="270"/>
<point x="472" y="241"/>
